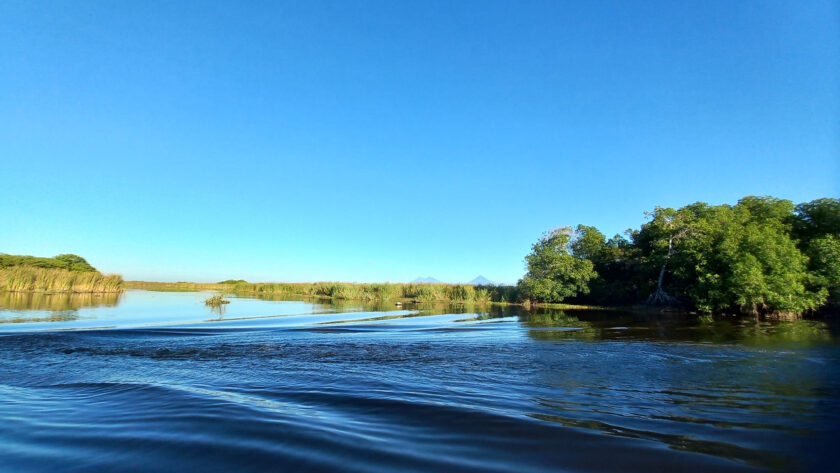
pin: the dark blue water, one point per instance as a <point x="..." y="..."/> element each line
<point x="157" y="382"/>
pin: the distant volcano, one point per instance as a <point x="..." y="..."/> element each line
<point x="427" y="279"/>
<point x="481" y="281"/>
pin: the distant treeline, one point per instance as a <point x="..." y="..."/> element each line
<point x="62" y="273"/>
<point x="761" y="256"/>
<point x="351" y="291"/>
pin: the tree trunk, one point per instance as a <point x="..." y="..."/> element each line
<point x="659" y="296"/>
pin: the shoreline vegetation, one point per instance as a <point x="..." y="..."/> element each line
<point x="398" y="292"/>
<point x="762" y="256"/>
<point x="67" y="273"/>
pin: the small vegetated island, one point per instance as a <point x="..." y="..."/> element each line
<point x="65" y="273"/>
<point x="216" y="300"/>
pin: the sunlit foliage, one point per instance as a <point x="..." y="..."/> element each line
<point x="554" y="272"/>
<point x="35" y="279"/>
<point x="762" y="255"/>
<point x="68" y="261"/>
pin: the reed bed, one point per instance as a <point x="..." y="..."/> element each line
<point x="176" y="286"/>
<point x="455" y="293"/>
<point x="381" y="291"/>
<point x="34" y="279"/>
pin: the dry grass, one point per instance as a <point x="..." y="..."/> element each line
<point x="32" y="279"/>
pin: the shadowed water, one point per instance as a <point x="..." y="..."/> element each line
<point x="159" y="382"/>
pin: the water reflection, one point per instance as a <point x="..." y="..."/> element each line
<point x="21" y="307"/>
<point x="540" y="323"/>
<point x="597" y="325"/>
<point x="614" y="325"/>
<point x="759" y="458"/>
<point x="56" y="302"/>
<point x="218" y="310"/>
<point x="427" y="308"/>
<point x="51" y="316"/>
<point x="455" y="381"/>
<point x="728" y="387"/>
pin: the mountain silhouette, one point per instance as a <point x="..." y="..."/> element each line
<point x="427" y="279"/>
<point x="481" y="281"/>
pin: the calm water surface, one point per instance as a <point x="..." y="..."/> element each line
<point x="154" y="381"/>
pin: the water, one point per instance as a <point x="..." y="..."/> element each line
<point x="154" y="381"/>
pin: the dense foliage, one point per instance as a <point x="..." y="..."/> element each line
<point x="762" y="255"/>
<point x="69" y="262"/>
<point x="554" y="273"/>
<point x="63" y="273"/>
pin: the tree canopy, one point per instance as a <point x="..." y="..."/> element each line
<point x="67" y="261"/>
<point x="554" y="273"/>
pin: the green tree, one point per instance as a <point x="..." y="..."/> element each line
<point x="616" y="279"/>
<point x="554" y="273"/>
<point x="663" y="237"/>
<point x="824" y="254"/>
<point x="74" y="262"/>
<point x="589" y="243"/>
<point x="65" y="261"/>
<point x="761" y="255"/>
<point x="762" y="269"/>
<point x="816" y="225"/>
<point x="742" y="258"/>
<point x="728" y="258"/>
<point x="816" y="218"/>
<point x="768" y="209"/>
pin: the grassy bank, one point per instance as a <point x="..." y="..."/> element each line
<point x="350" y="291"/>
<point x="564" y="306"/>
<point x="176" y="286"/>
<point x="35" y="279"/>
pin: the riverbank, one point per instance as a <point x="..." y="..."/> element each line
<point x="422" y="293"/>
<point x="382" y="292"/>
<point x="369" y="292"/>
<point x="455" y="293"/>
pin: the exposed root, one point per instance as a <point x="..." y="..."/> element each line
<point x="661" y="298"/>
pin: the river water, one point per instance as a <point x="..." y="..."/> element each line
<point x="156" y="381"/>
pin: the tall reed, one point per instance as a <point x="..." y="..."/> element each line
<point x="32" y="279"/>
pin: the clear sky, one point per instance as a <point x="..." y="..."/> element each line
<point x="385" y="140"/>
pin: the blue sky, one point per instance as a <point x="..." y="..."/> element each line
<point x="374" y="141"/>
